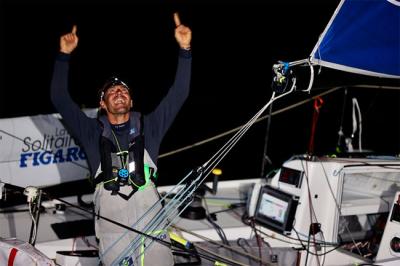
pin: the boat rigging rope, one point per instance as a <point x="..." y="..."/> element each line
<point x="181" y="200"/>
<point x="231" y="131"/>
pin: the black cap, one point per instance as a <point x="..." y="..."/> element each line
<point x="111" y="82"/>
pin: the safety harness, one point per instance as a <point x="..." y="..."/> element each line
<point x="123" y="163"/>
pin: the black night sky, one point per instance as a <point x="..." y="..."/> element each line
<point x="235" y="44"/>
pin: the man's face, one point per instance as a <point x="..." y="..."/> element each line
<point x="116" y="100"/>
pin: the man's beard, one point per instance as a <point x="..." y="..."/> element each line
<point x="120" y="111"/>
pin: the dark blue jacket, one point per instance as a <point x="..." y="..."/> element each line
<point x="87" y="131"/>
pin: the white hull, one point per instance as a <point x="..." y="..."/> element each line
<point x="353" y="199"/>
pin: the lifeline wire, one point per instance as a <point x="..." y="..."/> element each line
<point x="239" y="127"/>
<point x="208" y="257"/>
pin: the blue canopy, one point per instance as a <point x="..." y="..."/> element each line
<point x="363" y="37"/>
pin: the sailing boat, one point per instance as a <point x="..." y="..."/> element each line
<point x="331" y="190"/>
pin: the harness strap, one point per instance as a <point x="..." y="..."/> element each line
<point x="149" y="174"/>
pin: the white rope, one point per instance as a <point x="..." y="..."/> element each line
<point x="34" y="231"/>
<point x="311" y="76"/>
<point x="170" y="210"/>
<point x="356" y="107"/>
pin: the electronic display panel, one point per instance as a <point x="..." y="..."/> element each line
<point x="291" y="176"/>
<point x="276" y="209"/>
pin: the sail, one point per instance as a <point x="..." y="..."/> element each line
<point x="39" y="151"/>
<point x="363" y="37"/>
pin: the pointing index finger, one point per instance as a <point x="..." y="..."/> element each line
<point x="74" y="29"/>
<point x="176" y="19"/>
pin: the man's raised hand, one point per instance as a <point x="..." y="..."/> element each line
<point x="183" y="34"/>
<point x="69" y="41"/>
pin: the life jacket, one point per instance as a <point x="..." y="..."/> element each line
<point x="121" y="167"/>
